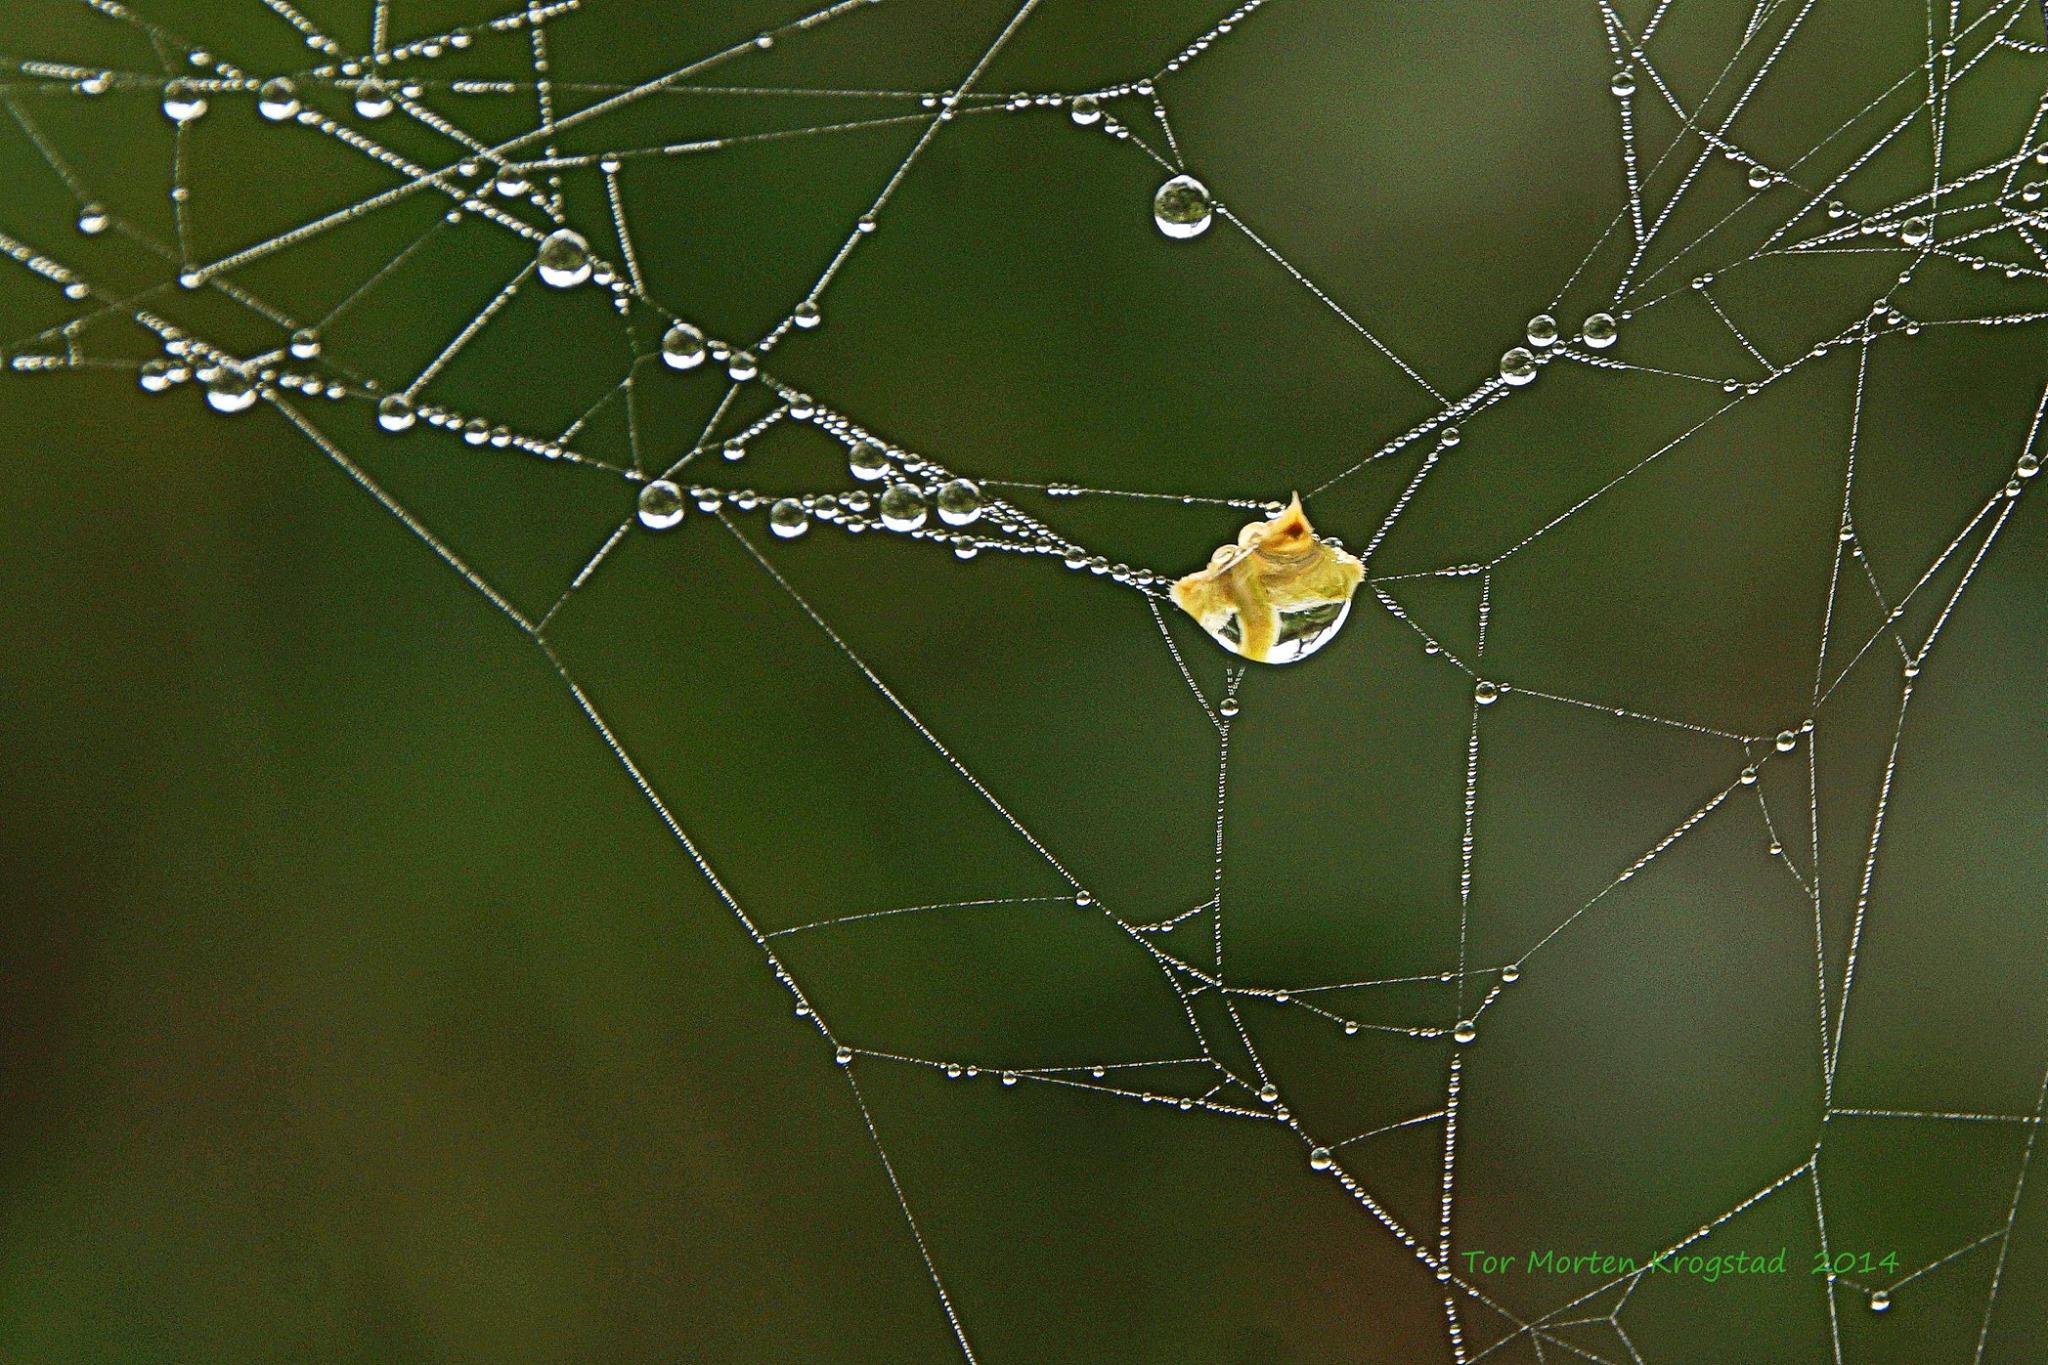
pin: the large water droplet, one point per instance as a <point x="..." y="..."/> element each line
<point x="1485" y="693"/>
<point x="1181" y="208"/>
<point x="661" y="505"/>
<point x="395" y="413"/>
<point x="278" y="100"/>
<point x="1085" y="110"/>
<point x="788" y="519"/>
<point x="682" y="347"/>
<point x="1880" y="1301"/>
<point x="959" y="503"/>
<point x="1916" y="231"/>
<point x="1624" y="83"/>
<point x="1542" y="330"/>
<point x="1598" y="331"/>
<point x="231" y="392"/>
<point x="305" y="344"/>
<point x="93" y="219"/>
<point x="1518" y="366"/>
<point x="373" y="98"/>
<point x="183" y="102"/>
<point x="806" y="315"/>
<point x="867" y="461"/>
<point x="902" y="507"/>
<point x="1465" y="1032"/>
<point x="564" y="259"/>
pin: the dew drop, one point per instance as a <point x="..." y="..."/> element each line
<point x="1181" y="208"/>
<point x="1624" y="83"/>
<point x="183" y="102"/>
<point x="305" y="344"/>
<point x="1085" y="110"/>
<point x="1319" y="1159"/>
<point x="661" y="505"/>
<point x="563" y="258"/>
<point x="787" y="518"/>
<point x="902" y="507"/>
<point x="959" y="502"/>
<point x="277" y="100"/>
<point x="682" y="347"/>
<point x="2029" y="465"/>
<point x="510" y="182"/>
<point x="1518" y="366"/>
<point x="867" y="461"/>
<point x="1465" y="1032"/>
<point x="1485" y="693"/>
<point x="1543" y="330"/>
<point x="93" y="219"/>
<point x="742" y="367"/>
<point x="1749" y="777"/>
<point x="373" y="98"/>
<point x="1227" y="707"/>
<point x="154" y="376"/>
<point x="231" y="392"/>
<point x="844" y="1056"/>
<point x="1761" y="177"/>
<point x="1598" y="331"/>
<point x="1510" y="974"/>
<point x="1916" y="231"/>
<point x="805" y="315"/>
<point x="1787" y="741"/>
<point x="395" y="413"/>
<point x="1269" y="1093"/>
<point x="1880" y="1301"/>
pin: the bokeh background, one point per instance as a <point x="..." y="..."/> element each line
<point x="357" y="1007"/>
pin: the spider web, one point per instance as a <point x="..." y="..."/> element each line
<point x="1633" y="874"/>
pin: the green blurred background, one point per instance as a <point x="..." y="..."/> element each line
<point x="357" y="1007"/>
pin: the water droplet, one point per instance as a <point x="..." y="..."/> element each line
<point x="1624" y="83"/>
<point x="1543" y="330"/>
<point x="844" y="1056"/>
<point x="1510" y="974"/>
<point x="805" y="315"/>
<point x="867" y="461"/>
<point x="1749" y="777"/>
<point x="1761" y="177"/>
<point x="1269" y="1093"/>
<point x="1787" y="741"/>
<point x="1465" y="1032"/>
<point x="682" y="347"/>
<point x="93" y="219"/>
<point x="564" y="259"/>
<point x="1880" y="1301"/>
<point x="902" y="507"/>
<point x="154" y="376"/>
<point x="661" y="505"/>
<point x="305" y="344"/>
<point x="510" y="182"/>
<point x="1450" y="436"/>
<point x="278" y="99"/>
<point x="2029" y="465"/>
<point x="1085" y="110"/>
<point x="1227" y="707"/>
<point x="1916" y="231"/>
<point x="1319" y="1159"/>
<point x="1598" y="331"/>
<point x="787" y="518"/>
<point x="231" y="391"/>
<point x="959" y="502"/>
<point x="1485" y="693"/>
<point x="742" y="367"/>
<point x="1518" y="366"/>
<point x="395" y="413"/>
<point x="373" y="98"/>
<point x="183" y="102"/>
<point x="1181" y="208"/>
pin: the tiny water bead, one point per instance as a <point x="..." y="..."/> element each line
<point x="661" y="505"/>
<point x="183" y="102"/>
<point x="682" y="347"/>
<point x="277" y="100"/>
<point x="1319" y="1159"/>
<point x="1880" y="1301"/>
<point x="1465" y="1032"/>
<point x="1598" y="331"/>
<point x="959" y="502"/>
<point x="305" y="344"/>
<point x="1181" y="208"/>
<point x="902" y="507"/>
<point x="843" y="1055"/>
<point x="231" y="391"/>
<point x="395" y="413"/>
<point x="787" y="518"/>
<point x="1485" y="693"/>
<point x="563" y="258"/>
<point x="1542" y="330"/>
<point x="867" y="461"/>
<point x="1518" y="366"/>
<point x="1916" y="231"/>
<point x="93" y="219"/>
